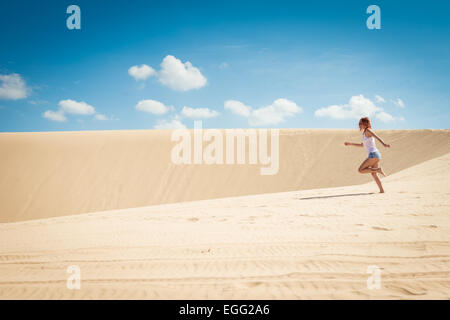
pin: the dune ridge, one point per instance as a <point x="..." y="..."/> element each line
<point x="52" y="174"/>
<point x="307" y="244"/>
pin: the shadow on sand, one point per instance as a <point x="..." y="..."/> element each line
<point x="337" y="195"/>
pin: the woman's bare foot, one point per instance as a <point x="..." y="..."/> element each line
<point x="381" y="191"/>
<point x="380" y="170"/>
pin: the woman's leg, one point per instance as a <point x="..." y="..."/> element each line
<point x="377" y="180"/>
<point x="367" y="166"/>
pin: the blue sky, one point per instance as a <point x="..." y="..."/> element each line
<point x="286" y="64"/>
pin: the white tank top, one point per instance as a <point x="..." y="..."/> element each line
<point x="369" y="143"/>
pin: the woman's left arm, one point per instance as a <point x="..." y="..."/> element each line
<point x="378" y="138"/>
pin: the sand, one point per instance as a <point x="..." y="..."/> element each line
<point x="46" y="175"/>
<point x="302" y="244"/>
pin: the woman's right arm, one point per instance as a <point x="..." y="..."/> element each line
<point x="353" y="144"/>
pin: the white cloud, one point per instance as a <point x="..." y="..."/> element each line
<point x="74" y="107"/>
<point x="358" y="107"/>
<point x="12" y="87"/>
<point x="153" y="106"/>
<point x="180" y="76"/>
<point x="275" y="113"/>
<point x="379" y="99"/>
<point x="141" y="72"/>
<point x="55" y="116"/>
<point x="198" y="113"/>
<point x="385" y="117"/>
<point x="238" y="108"/>
<point x="173" y="124"/>
<point x="223" y="65"/>
<point x="173" y="73"/>
<point x="101" y="117"/>
<point x="272" y="114"/>
<point x="38" y="102"/>
<point x="399" y="103"/>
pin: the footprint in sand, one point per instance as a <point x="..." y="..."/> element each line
<point x="381" y="229"/>
<point x="254" y="284"/>
<point x="412" y="293"/>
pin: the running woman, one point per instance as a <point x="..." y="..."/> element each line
<point x="370" y="165"/>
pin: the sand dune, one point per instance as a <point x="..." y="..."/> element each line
<point x="63" y="173"/>
<point x="291" y="245"/>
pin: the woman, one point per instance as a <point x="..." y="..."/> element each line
<point x="370" y="165"/>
